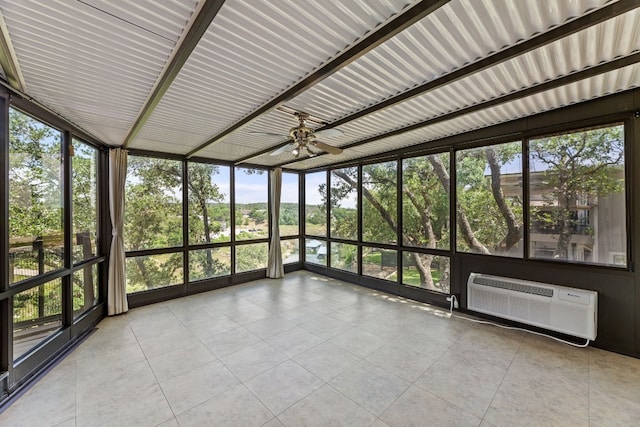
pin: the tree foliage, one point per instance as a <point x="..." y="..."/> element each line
<point x="577" y="168"/>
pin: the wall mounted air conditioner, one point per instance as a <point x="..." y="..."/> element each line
<point x="557" y="308"/>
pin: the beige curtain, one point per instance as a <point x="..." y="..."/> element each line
<point x="275" y="269"/>
<point x="117" y="285"/>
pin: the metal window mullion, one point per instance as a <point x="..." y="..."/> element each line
<point x="399" y="220"/>
<point x="67" y="209"/>
<point x="232" y="214"/>
<point x="631" y="133"/>
<point x="270" y="224"/>
<point x="185" y="223"/>
<point x="6" y="318"/>
<point x="328" y="217"/>
<point x="104" y="221"/>
<point x="360" y="222"/>
<point x="302" y="217"/>
<point x="526" y="220"/>
<point x="453" y="230"/>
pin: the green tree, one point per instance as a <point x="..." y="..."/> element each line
<point x="153" y="219"/>
<point x="576" y="167"/>
<point x="259" y="216"/>
<point x="154" y="214"/>
<point x="35" y="195"/>
<point x="425" y="189"/>
<point x="251" y="257"/>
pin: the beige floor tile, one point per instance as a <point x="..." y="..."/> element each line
<point x="249" y="313"/>
<point x="160" y="344"/>
<point x="37" y="409"/>
<point x="515" y="409"/>
<point x="170" y="423"/>
<point x="60" y="379"/>
<point x="468" y="383"/>
<point x="490" y="342"/>
<point x="358" y="342"/>
<point x="326" y="360"/>
<point x="417" y="408"/>
<point x="233" y="408"/>
<point x="282" y="386"/>
<point x="194" y="387"/>
<point x="135" y="407"/>
<point x="326" y="327"/>
<point x="301" y="314"/>
<point x="180" y="360"/>
<point x="405" y="362"/>
<point x="294" y="341"/>
<point x="229" y="342"/>
<point x="253" y="360"/>
<point x="552" y="387"/>
<point x="369" y="386"/>
<point x="209" y="327"/>
<point x="614" y="374"/>
<point x="608" y="409"/>
<point x="95" y="385"/>
<point x="270" y="326"/>
<point x="188" y="357"/>
<point x="108" y="344"/>
<point x="158" y="328"/>
<point x="71" y="422"/>
<point x="274" y="422"/>
<point x="326" y="407"/>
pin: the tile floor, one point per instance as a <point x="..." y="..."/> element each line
<point x="311" y="351"/>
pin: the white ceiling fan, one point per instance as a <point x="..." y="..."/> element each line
<point x="303" y="140"/>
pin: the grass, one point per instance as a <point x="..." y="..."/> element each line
<point x="410" y="276"/>
<point x="372" y="258"/>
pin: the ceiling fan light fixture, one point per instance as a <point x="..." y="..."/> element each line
<point x="303" y="140"/>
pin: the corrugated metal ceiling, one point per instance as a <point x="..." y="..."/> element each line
<point x="251" y="53"/>
<point x="605" y="84"/>
<point x="93" y="62"/>
<point x="96" y="62"/>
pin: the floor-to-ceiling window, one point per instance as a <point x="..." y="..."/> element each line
<point x="153" y="223"/>
<point x="290" y="218"/>
<point x="426" y="222"/>
<point x="315" y="218"/>
<point x="36" y="228"/>
<point x="86" y="225"/>
<point x="193" y="225"/>
<point x="380" y="220"/>
<point x="54" y="257"/>
<point x="251" y="219"/>
<point x="209" y="221"/>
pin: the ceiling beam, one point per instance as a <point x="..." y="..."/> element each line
<point x="201" y="23"/>
<point x="543" y="39"/>
<point x="513" y="96"/>
<point x="557" y="33"/>
<point x="374" y="39"/>
<point x="8" y="59"/>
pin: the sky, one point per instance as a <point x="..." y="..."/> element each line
<point x="312" y="182"/>
<point x="251" y="188"/>
<point x="255" y="188"/>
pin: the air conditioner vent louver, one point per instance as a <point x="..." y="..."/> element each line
<point x="518" y="287"/>
<point x="568" y="310"/>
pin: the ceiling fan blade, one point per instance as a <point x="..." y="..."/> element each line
<point x="328" y="133"/>
<point x="253" y="132"/>
<point x="283" y="149"/>
<point x="328" y="148"/>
